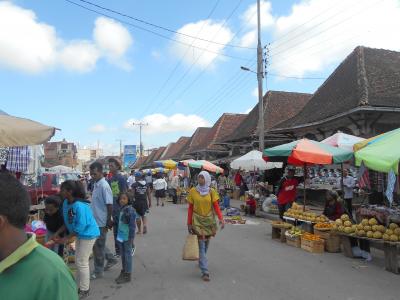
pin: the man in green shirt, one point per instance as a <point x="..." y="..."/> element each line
<point x="28" y="271"/>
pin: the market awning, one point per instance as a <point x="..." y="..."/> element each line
<point x="253" y="161"/>
<point x="380" y="153"/>
<point x="343" y="140"/>
<point x="16" y="131"/>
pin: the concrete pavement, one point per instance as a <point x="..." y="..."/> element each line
<point x="244" y="264"/>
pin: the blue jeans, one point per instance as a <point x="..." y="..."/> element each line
<point x="115" y="232"/>
<point x="125" y="248"/>
<point x="203" y="262"/>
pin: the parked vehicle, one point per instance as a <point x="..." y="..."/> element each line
<point x="48" y="184"/>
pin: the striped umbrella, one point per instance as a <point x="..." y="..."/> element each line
<point x="168" y="164"/>
<point x="202" y="164"/>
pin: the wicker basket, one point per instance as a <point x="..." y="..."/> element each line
<point x="293" y="241"/>
<point x="332" y="240"/>
<point x="312" y="246"/>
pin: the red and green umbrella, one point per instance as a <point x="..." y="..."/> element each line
<point x="306" y="151"/>
<point x="202" y="164"/>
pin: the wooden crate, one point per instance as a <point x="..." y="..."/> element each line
<point x="278" y="233"/>
<point x="313" y="246"/>
<point x="293" y="241"/>
<point x="332" y="240"/>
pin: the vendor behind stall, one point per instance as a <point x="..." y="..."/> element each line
<point x="287" y="190"/>
<point x="251" y="205"/>
<point x="333" y="207"/>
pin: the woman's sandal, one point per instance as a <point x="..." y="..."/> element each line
<point x="205" y="277"/>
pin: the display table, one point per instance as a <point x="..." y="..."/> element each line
<point x="390" y="249"/>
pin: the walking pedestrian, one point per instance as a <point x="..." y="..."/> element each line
<point x="203" y="205"/>
<point x="174" y="183"/>
<point x="131" y="179"/>
<point x="102" y="206"/>
<point x="118" y="185"/>
<point x="141" y="196"/>
<point x="27" y="270"/>
<point x="348" y="187"/>
<point x="160" y="186"/>
<point x="149" y="182"/>
<point x="125" y="237"/>
<point x="80" y="222"/>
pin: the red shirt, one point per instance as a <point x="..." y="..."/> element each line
<point x="238" y="179"/>
<point x="251" y="202"/>
<point x="288" y="191"/>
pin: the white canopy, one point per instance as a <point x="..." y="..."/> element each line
<point x="61" y="169"/>
<point x="253" y="161"/>
<point x="342" y="140"/>
<point x="16" y="131"/>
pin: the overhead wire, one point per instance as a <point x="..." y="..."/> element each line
<point x="162" y="27"/>
<point x="178" y="64"/>
<point x="153" y="32"/>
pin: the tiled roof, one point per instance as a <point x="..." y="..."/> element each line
<point x="367" y="77"/>
<point x="222" y="129"/>
<point x="139" y="162"/>
<point x="280" y="106"/>
<point x="174" y="148"/>
<point x="197" y="139"/>
<point x="157" y="155"/>
<point x="150" y="158"/>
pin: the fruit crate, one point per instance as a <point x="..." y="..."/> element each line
<point x="293" y="241"/>
<point x="332" y="240"/>
<point x="313" y="246"/>
<point x="278" y="233"/>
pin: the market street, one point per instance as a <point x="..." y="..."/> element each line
<point x="244" y="264"/>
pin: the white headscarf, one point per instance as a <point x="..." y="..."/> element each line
<point x="204" y="189"/>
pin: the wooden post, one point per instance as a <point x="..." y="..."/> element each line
<point x="304" y="191"/>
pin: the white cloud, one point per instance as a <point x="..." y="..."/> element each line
<point x="98" y="128"/>
<point x="332" y="34"/>
<point x="159" y="123"/>
<point x="31" y="46"/>
<point x="254" y="93"/>
<point x="204" y="29"/>
<point x="156" y="54"/>
<point x="249" y="19"/>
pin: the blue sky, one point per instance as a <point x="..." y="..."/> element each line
<point x="90" y="76"/>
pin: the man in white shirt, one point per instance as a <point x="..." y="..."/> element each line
<point x="348" y="186"/>
<point x="131" y="179"/>
<point x="174" y="184"/>
<point x="160" y="186"/>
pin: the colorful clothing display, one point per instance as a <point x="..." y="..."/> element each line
<point x="18" y="159"/>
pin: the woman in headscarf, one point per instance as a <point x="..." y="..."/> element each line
<point x="203" y="206"/>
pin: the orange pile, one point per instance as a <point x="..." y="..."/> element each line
<point x="311" y="237"/>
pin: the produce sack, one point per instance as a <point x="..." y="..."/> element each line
<point x="191" y="248"/>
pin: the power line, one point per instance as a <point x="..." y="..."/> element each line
<point x="179" y="63"/>
<point x="153" y="32"/>
<point x="197" y="59"/>
<point x="161" y="27"/>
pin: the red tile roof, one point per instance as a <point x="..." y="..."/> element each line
<point x="174" y="148"/>
<point x="278" y="106"/>
<point x="197" y="139"/>
<point x="367" y="77"/>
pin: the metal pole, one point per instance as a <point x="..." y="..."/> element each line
<point x="259" y="79"/>
<point x="140" y="140"/>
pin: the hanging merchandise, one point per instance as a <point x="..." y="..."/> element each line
<point x="363" y="177"/>
<point x="390" y="186"/>
<point x="18" y="159"/>
<point x="3" y="155"/>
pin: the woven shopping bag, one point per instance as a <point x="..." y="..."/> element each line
<point x="191" y="248"/>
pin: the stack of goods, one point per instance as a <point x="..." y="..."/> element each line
<point x="281" y="224"/>
<point x="344" y="225"/>
<point x="392" y="234"/>
<point x="293" y="237"/>
<point x="324" y="226"/>
<point x="326" y="231"/>
<point x="299" y="214"/>
<point x="312" y="243"/>
<point x="235" y="220"/>
<point x="370" y="228"/>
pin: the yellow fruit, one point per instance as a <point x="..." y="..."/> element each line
<point x="377" y="235"/>
<point x="347" y="223"/>
<point x="361" y="233"/>
<point x="382" y="228"/>
<point x="370" y="234"/>
<point x="389" y="232"/>
<point x="353" y="228"/>
<point x="360" y="227"/>
<point x="386" y="237"/>
<point x="339" y="222"/>
<point x="364" y="222"/>
<point x="341" y="228"/>
<point x="375" y="227"/>
<point x="345" y="217"/>
<point x="394" y="238"/>
<point x="397" y="231"/>
<point x="334" y="226"/>
<point x="393" y="226"/>
<point x="367" y="228"/>
<point x="373" y="221"/>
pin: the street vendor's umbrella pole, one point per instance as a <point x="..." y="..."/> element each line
<point x="304" y="192"/>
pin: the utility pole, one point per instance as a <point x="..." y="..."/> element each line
<point x="140" y="125"/>
<point x="259" y="79"/>
<point x="120" y="147"/>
